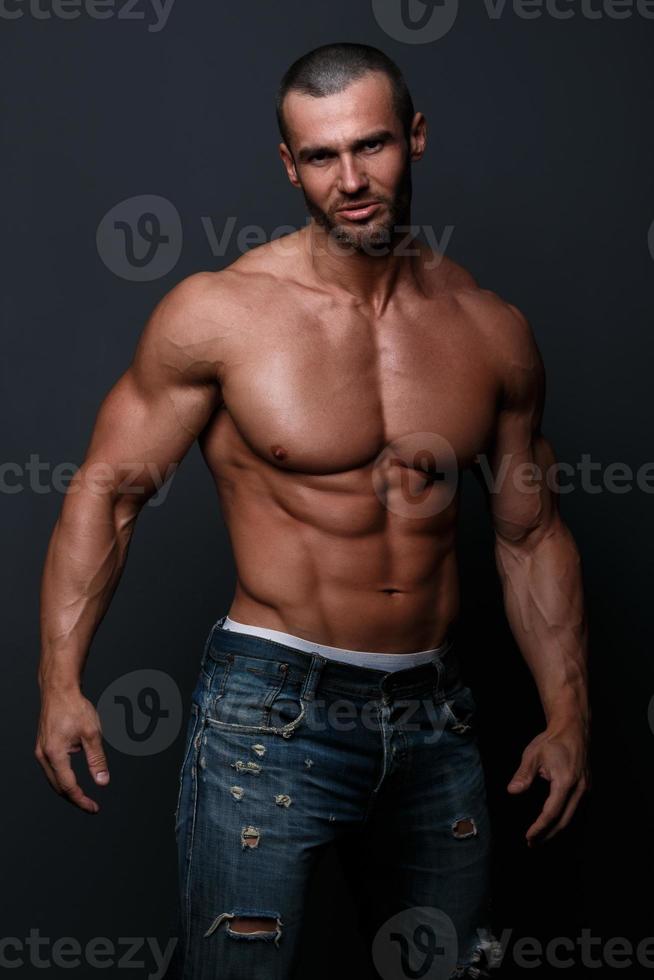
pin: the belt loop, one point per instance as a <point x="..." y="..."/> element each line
<point x="313" y="676"/>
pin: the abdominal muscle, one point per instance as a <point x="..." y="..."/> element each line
<point x="321" y="556"/>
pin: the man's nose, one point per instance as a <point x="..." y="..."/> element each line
<point x="351" y="177"/>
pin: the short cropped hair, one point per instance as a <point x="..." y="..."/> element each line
<point x="332" y="67"/>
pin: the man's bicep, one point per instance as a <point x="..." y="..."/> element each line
<point x="518" y="479"/>
<point x="140" y="437"/>
<point x="154" y="412"/>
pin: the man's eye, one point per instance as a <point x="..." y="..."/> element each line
<point x="372" y="144"/>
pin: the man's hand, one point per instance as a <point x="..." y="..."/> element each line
<point x="68" y="723"/>
<point x="559" y="754"/>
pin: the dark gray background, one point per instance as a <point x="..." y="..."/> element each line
<point x="540" y="155"/>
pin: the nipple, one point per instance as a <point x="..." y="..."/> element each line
<point x="279" y="452"/>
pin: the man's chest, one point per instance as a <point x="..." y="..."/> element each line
<point x="328" y="396"/>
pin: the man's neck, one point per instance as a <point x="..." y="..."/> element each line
<point x="370" y="276"/>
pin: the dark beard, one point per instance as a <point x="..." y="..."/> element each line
<point x="379" y="239"/>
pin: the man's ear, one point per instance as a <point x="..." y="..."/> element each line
<point x="289" y="164"/>
<point x="418" y="140"/>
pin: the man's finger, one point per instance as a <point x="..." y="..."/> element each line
<point x="96" y="759"/>
<point x="47" y="769"/>
<point x="523" y="776"/>
<point x="559" y="791"/>
<point x="67" y="783"/>
<point x="567" y="814"/>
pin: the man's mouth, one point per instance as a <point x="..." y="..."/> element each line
<point x="359" y="212"/>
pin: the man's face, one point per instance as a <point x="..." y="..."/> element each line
<point x="351" y="160"/>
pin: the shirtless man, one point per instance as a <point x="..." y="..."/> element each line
<point x="337" y="387"/>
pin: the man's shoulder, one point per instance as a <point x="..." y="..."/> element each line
<point x="214" y="294"/>
<point x="447" y="277"/>
<point x="220" y="304"/>
<point x="183" y="327"/>
<point x="500" y="322"/>
<point x="511" y="346"/>
<point x="502" y="331"/>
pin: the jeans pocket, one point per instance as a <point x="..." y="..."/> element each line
<point x="256" y="695"/>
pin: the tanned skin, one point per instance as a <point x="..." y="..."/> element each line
<point x="295" y="368"/>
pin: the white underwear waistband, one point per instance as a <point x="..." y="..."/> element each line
<point x="361" y="658"/>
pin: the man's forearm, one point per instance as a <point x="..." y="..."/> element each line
<point x="84" y="561"/>
<point x="543" y="596"/>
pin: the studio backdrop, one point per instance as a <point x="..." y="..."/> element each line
<point x="140" y="146"/>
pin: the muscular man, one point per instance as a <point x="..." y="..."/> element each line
<point x="338" y="382"/>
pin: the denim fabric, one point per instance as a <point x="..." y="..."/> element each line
<point x="287" y="752"/>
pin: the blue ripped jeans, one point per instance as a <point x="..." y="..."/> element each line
<point x="287" y="752"/>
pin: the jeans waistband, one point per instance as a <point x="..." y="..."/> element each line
<point x="441" y="673"/>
